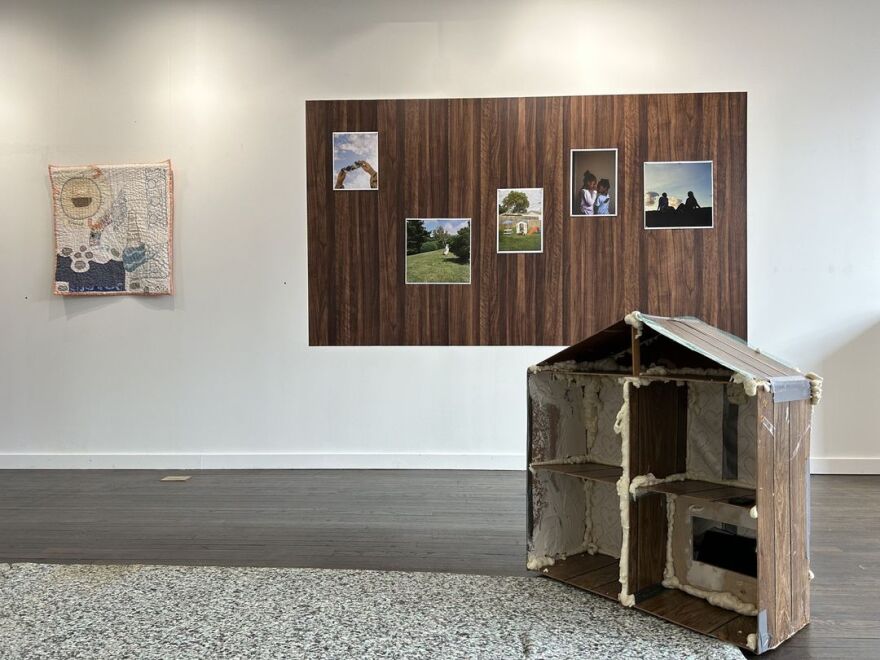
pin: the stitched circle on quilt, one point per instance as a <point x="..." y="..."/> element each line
<point x="80" y="198"/>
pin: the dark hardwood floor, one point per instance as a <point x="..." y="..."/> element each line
<point x="457" y="521"/>
<point x="407" y="520"/>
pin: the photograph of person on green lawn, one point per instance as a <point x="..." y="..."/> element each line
<point x="438" y="251"/>
<point x="520" y="220"/>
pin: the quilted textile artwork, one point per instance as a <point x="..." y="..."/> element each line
<point x="113" y="227"/>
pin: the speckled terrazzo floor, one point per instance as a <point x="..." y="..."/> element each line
<point x="145" y="612"/>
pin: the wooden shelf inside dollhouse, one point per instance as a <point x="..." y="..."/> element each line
<point x="704" y="490"/>
<point x="701" y="490"/>
<point x="589" y="471"/>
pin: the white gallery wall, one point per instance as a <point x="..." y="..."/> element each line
<point x="221" y="375"/>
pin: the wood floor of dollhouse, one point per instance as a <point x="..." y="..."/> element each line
<point x="600" y="574"/>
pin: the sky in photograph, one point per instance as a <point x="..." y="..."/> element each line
<point x="350" y="147"/>
<point x="676" y="179"/>
<point x="451" y="225"/>
<point x="535" y="195"/>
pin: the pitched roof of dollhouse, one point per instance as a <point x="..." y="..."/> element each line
<point x="708" y="346"/>
<point x="726" y="349"/>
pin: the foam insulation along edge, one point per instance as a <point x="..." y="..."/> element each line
<point x="622" y="428"/>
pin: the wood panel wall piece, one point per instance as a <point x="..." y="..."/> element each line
<point x="658" y="445"/>
<point x="766" y="507"/>
<point x="447" y="158"/>
<point x="783" y="540"/>
<point x="782" y="518"/>
<point x="800" y="427"/>
<point x="658" y="429"/>
<point x="648" y="526"/>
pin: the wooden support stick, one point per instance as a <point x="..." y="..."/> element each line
<point x="636" y="352"/>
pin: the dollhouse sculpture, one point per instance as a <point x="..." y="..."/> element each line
<point x="669" y="469"/>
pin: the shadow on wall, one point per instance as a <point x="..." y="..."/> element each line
<point x="849" y="397"/>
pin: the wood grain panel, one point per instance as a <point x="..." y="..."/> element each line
<point x="518" y="303"/>
<point x="782" y="518"/>
<point x="464" y="163"/>
<point x="766" y="507"/>
<point x="416" y="196"/>
<point x="658" y="433"/>
<point x="702" y="490"/>
<point x="589" y="471"/>
<point x="551" y="174"/>
<point x="390" y="123"/>
<point x="799" y="429"/>
<point x="631" y="201"/>
<point x="448" y="157"/>
<point x="647" y="543"/>
<point x="594" y="579"/>
<point x="578" y="565"/>
<point x="658" y="419"/>
<point x="685" y="610"/>
<point x="737" y="631"/>
<point x="492" y="271"/>
<point x="322" y="330"/>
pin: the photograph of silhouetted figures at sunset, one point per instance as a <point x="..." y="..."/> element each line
<point x="678" y="195"/>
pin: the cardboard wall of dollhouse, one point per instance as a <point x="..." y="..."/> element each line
<point x="573" y="420"/>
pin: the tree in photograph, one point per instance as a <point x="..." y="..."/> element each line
<point x="416" y="235"/>
<point x="460" y="245"/>
<point x="516" y="201"/>
<point x="440" y="236"/>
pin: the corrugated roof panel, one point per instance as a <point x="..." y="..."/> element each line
<point x="727" y="350"/>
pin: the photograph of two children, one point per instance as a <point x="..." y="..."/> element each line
<point x="593" y="182"/>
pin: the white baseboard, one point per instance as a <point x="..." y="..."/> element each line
<point x="313" y="461"/>
<point x="845" y="465"/>
<point x="262" y="461"/>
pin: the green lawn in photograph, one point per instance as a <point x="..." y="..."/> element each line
<point x="433" y="267"/>
<point x="519" y="242"/>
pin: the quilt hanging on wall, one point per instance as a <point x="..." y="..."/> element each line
<point x="113" y="228"/>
